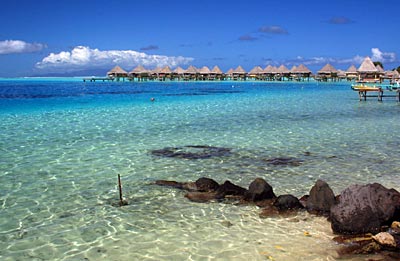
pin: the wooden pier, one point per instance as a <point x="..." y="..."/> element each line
<point x="94" y="79"/>
<point x="363" y="93"/>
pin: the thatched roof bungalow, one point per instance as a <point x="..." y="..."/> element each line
<point x="368" y="72"/>
<point x="191" y="73"/>
<point x="301" y="72"/>
<point x="117" y="72"/>
<point x="204" y="73"/>
<point x="328" y="72"/>
<point x="139" y="72"/>
<point x="351" y="73"/>
<point x="239" y="73"/>
<point x="281" y="73"/>
<point x="216" y="73"/>
<point x="256" y="73"/>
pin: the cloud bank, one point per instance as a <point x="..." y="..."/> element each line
<point x="376" y="55"/>
<point x="17" y="46"/>
<point x="84" y="58"/>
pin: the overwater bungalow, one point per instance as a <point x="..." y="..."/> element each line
<point x="165" y="74"/>
<point x="216" y="74"/>
<point x="191" y="73"/>
<point x="282" y="73"/>
<point x="154" y="73"/>
<point x="140" y="73"/>
<point x="178" y="73"/>
<point x="117" y="73"/>
<point x="368" y="72"/>
<point x="351" y="73"/>
<point x="239" y="74"/>
<point x="392" y="76"/>
<point x="256" y="73"/>
<point x="301" y="73"/>
<point x="267" y="73"/>
<point x="229" y="74"/>
<point x="327" y="73"/>
<point x="204" y="73"/>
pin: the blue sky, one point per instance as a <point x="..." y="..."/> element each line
<point x="40" y="37"/>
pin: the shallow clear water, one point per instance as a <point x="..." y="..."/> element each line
<point x="64" y="142"/>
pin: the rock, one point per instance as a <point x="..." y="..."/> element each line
<point x="189" y="186"/>
<point x="287" y="202"/>
<point x="321" y="198"/>
<point x="169" y="183"/>
<point x="395" y="228"/>
<point x="229" y="188"/>
<point x="258" y="190"/>
<point x="364" y="208"/>
<point x="206" y="184"/>
<point x="201" y="197"/>
<point x="385" y="239"/>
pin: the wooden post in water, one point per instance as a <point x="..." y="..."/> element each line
<point x="122" y="202"/>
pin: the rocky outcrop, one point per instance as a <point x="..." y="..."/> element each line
<point x="259" y="190"/>
<point x="287" y="202"/>
<point x="365" y="209"/>
<point x="321" y="198"/>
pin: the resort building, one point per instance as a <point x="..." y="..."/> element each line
<point x="367" y="72"/>
<point x="117" y="73"/>
<point x="351" y="73"/>
<point x="327" y="73"/>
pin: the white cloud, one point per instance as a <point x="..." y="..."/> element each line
<point x="83" y="57"/>
<point x="17" y="46"/>
<point x="376" y="55"/>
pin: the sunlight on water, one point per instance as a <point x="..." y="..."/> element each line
<point x="63" y="144"/>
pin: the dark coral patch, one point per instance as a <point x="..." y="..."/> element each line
<point x="192" y="152"/>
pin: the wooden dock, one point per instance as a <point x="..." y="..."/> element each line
<point x="94" y="79"/>
<point x="377" y="92"/>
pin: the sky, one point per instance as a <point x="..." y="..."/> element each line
<point x="82" y="38"/>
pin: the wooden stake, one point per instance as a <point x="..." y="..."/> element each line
<point x="120" y="190"/>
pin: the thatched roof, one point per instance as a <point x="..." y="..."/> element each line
<point x="268" y="69"/>
<point x="294" y="68"/>
<point x="328" y="68"/>
<point x="166" y="70"/>
<point x="256" y="70"/>
<point x="156" y="70"/>
<point x="341" y="73"/>
<point x="239" y="70"/>
<point x="117" y="70"/>
<point x="204" y="70"/>
<point x="139" y="70"/>
<point x="301" y="69"/>
<point x="179" y="70"/>
<point x="367" y="66"/>
<point x="283" y="69"/>
<point x="274" y="69"/>
<point x="230" y="71"/>
<point x="216" y="70"/>
<point x="191" y="70"/>
<point x="351" y="69"/>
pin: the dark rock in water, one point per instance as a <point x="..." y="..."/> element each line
<point x="192" y="152"/>
<point x="201" y="197"/>
<point x="258" y="190"/>
<point x="169" y="183"/>
<point x="321" y="198"/>
<point x="229" y="188"/>
<point x="206" y="184"/>
<point x="287" y="202"/>
<point x="288" y="161"/>
<point x="363" y="209"/>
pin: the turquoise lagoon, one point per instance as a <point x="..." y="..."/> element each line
<point x="63" y="143"/>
